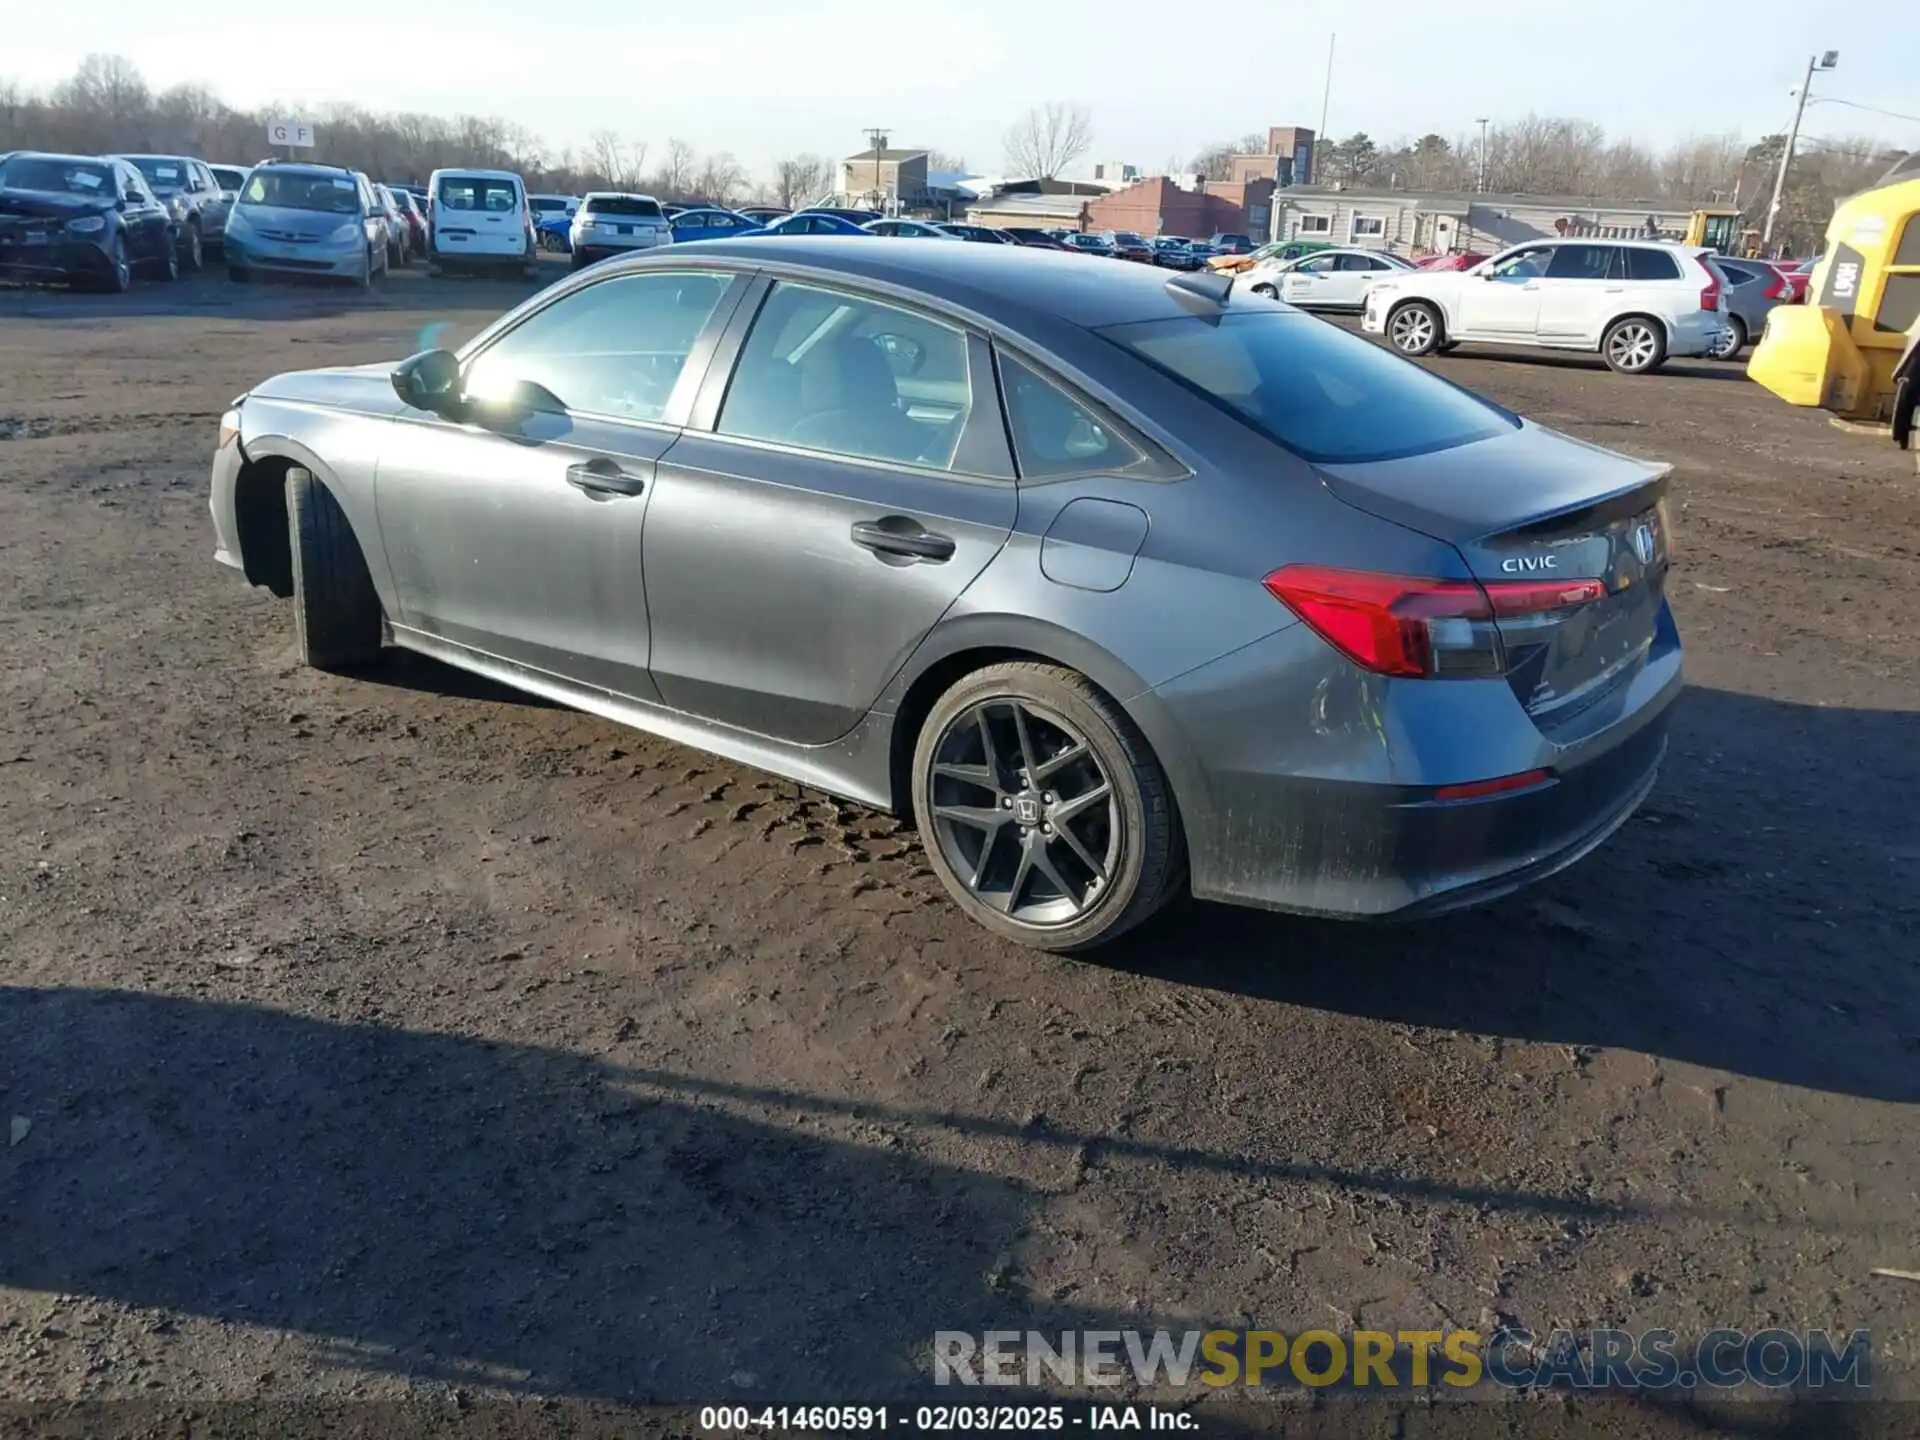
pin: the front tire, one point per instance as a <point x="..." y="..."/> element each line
<point x="169" y="262"/>
<point x="1415" y="329"/>
<point x="336" y="611"/>
<point x="1735" y="341"/>
<point x="1266" y="292"/>
<point x="193" y="254"/>
<point x="1043" y="809"/>
<point x="119" y="277"/>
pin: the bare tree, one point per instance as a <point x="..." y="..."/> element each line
<point x="1216" y="161"/>
<point x="799" y="180"/>
<point x="946" y="160"/>
<point x="676" y="170"/>
<point x="720" y="178"/>
<point x="1049" y="138"/>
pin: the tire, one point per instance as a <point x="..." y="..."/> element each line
<point x="1735" y="342"/>
<point x="169" y="263"/>
<point x="119" y="279"/>
<point x="1634" y="345"/>
<point x="1266" y="292"/>
<point x="336" y="612"/>
<point x="1414" y="328"/>
<point x="193" y="255"/>
<point x="365" y="280"/>
<point x="1111" y="860"/>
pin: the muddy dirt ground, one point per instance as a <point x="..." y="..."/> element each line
<point x="395" y="1036"/>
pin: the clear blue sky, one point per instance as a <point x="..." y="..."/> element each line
<point x="764" y="78"/>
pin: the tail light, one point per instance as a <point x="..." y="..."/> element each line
<point x="1418" y="628"/>
<point x="1778" y="289"/>
<point x="1710" y="292"/>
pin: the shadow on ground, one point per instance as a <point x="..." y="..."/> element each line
<point x="1759" y="916"/>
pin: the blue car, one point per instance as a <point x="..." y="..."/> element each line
<point x="711" y="223"/>
<point x="814" y="222"/>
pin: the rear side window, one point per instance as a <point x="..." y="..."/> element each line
<point x="467" y="192"/>
<point x="1328" y="396"/>
<point x="1056" y="436"/>
<point x="1580" y="262"/>
<point x="1645" y="264"/>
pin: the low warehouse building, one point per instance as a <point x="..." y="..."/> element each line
<point x="1443" y="222"/>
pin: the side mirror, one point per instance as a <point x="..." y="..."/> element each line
<point x="429" y="381"/>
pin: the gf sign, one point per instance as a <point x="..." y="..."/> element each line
<point x="297" y="133"/>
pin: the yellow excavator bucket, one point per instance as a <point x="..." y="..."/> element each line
<point x="1841" y="350"/>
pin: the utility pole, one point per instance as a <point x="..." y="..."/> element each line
<point x="1482" y="123"/>
<point x="1326" y="98"/>
<point x="1824" y="61"/>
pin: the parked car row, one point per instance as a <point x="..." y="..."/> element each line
<point x="96" y="220"/>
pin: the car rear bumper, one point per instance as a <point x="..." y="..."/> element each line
<point x="1696" y="333"/>
<point x="599" y="247"/>
<point x="1324" y="823"/>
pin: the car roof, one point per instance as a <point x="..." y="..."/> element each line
<point x="469" y="173"/>
<point x="57" y="155"/>
<point x="603" y="195"/>
<point x="1006" y="283"/>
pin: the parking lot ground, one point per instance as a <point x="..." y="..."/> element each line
<point x="384" y="1036"/>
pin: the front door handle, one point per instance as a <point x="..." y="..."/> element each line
<point x="603" y="477"/>
<point x="899" y="535"/>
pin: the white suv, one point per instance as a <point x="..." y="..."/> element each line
<point x="1635" y="301"/>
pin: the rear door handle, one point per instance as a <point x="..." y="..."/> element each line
<point x="900" y="535"/>
<point x="604" y="477"/>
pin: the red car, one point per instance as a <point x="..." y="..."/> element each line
<point x="1798" y="274"/>
<point x="1463" y="260"/>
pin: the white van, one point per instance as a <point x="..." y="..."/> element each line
<point x="478" y="219"/>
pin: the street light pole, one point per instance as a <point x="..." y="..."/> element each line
<point x="1825" y="61"/>
<point x="1482" y="123"/>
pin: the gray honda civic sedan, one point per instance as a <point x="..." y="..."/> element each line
<point x="1118" y="583"/>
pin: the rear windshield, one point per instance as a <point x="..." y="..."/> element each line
<point x="162" y="174"/>
<point x="468" y="192"/>
<point x="543" y="204"/>
<point x="625" y="205"/>
<point x="1328" y="396"/>
<point x="228" y="178"/>
<point x="69" y="177"/>
<point x="302" y="190"/>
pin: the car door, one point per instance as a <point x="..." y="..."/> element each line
<point x="514" y="529"/>
<point x="1574" y="293"/>
<point x="1310" y="282"/>
<point x="143" y="219"/>
<point x="1503" y="300"/>
<point x="831" y="498"/>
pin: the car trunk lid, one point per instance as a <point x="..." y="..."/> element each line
<point x="1532" y="508"/>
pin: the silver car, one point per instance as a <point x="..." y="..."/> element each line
<point x="1119" y="583"/>
<point x="299" y="219"/>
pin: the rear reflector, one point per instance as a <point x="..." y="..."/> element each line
<point x="1418" y="628"/>
<point x="1474" y="789"/>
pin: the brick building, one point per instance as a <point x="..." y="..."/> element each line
<point x="1158" y="206"/>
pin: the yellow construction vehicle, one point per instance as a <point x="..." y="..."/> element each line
<point x="1718" y="228"/>
<point x="1854" y="347"/>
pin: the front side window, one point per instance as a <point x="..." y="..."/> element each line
<point x="1581" y="262"/>
<point x="1523" y="264"/>
<point x="1328" y="396"/>
<point x="615" y="348"/>
<point x="830" y="371"/>
<point x="1055" y="436"/>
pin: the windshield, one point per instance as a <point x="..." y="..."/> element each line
<point x="1127" y="237"/>
<point x="471" y="192"/>
<point x="328" y="193"/>
<point x="624" y="205"/>
<point x="228" y="178"/>
<point x="70" y="177"/>
<point x="1328" y="396"/>
<point x="162" y="175"/>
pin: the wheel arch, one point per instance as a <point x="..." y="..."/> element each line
<point x="962" y="646"/>
<point x="260" y="509"/>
